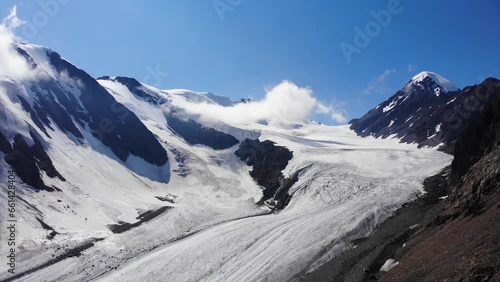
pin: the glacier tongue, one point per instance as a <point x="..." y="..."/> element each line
<point x="349" y="186"/>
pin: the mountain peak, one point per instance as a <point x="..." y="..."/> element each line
<point x="428" y="77"/>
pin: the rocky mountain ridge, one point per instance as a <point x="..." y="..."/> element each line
<point x="416" y="114"/>
<point x="467" y="229"/>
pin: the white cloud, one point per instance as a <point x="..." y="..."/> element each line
<point x="285" y="102"/>
<point x="12" y="22"/>
<point x="382" y="77"/>
<point x="322" y="108"/>
<point x="13" y="65"/>
<point x="335" y="111"/>
<point x="378" y="85"/>
<point x="339" y="117"/>
<point x="73" y="82"/>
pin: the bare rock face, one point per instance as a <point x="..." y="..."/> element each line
<point x="482" y="136"/>
<point x="28" y="161"/>
<point x="471" y="193"/>
<point x="268" y="160"/>
<point x="5" y="144"/>
<point x="475" y="171"/>
<point x="195" y="133"/>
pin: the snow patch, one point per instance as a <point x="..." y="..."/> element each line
<point x="390" y="106"/>
<point x="388" y="265"/>
<point x="437" y="130"/>
<point x="451" y="101"/>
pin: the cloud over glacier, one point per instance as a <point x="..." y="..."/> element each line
<point x="285" y="102"/>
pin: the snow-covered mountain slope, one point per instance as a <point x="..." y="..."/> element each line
<point x="200" y="97"/>
<point x="142" y="199"/>
<point x="64" y="133"/>
<point x="429" y="111"/>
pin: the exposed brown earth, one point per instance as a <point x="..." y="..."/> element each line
<point x="466" y="249"/>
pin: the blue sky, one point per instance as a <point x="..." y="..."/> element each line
<point x="236" y="48"/>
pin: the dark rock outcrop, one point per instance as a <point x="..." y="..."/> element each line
<point x="34" y="114"/>
<point x="476" y="167"/>
<point x="482" y="136"/>
<point x="27" y="162"/>
<point x="23" y="163"/>
<point x="47" y="227"/>
<point x="5" y="144"/>
<point x="147" y="216"/>
<point x="27" y="57"/>
<point x="43" y="160"/>
<point x="268" y="160"/>
<point x="281" y="198"/>
<point x="195" y="133"/>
